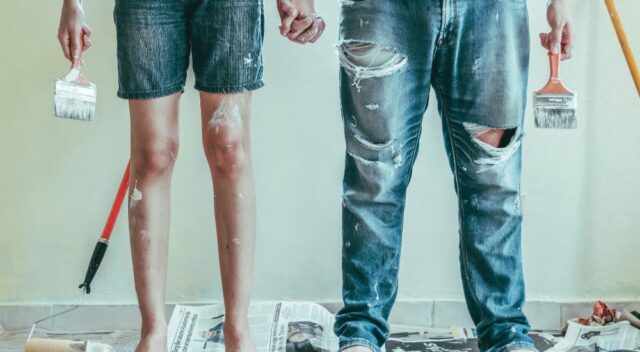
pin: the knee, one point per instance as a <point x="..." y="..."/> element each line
<point x="489" y="149"/>
<point x="154" y="158"/>
<point x="495" y="137"/>
<point x="225" y="138"/>
<point x="226" y="155"/>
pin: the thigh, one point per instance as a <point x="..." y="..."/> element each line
<point x="153" y="48"/>
<point x="406" y="26"/>
<point x="227" y="37"/>
<point x="154" y="126"/>
<point x="382" y="103"/>
<point x="226" y="119"/>
<point x="481" y="70"/>
<point x="385" y="54"/>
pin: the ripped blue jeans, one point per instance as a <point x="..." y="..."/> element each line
<point x="475" y="55"/>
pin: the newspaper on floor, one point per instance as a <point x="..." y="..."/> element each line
<point x="618" y="336"/>
<point x="454" y="339"/>
<point x="275" y="327"/>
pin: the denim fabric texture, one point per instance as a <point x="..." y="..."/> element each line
<point x="156" y="38"/>
<point x="475" y="56"/>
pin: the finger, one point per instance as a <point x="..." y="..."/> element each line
<point x="555" y="39"/>
<point x="63" y="38"/>
<point x="565" y="54"/>
<point x="86" y="42"/>
<point x="76" y="46"/>
<point x="321" y="27"/>
<point x="87" y="31"/>
<point x="288" y="14"/>
<point x="310" y="32"/>
<point x="78" y="63"/>
<point x="567" y="41"/>
<point x="299" y="26"/>
<point x="544" y="40"/>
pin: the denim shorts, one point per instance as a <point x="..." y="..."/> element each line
<point x="156" y="37"/>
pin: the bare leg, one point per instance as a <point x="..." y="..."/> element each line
<point x="154" y="146"/>
<point x="225" y="132"/>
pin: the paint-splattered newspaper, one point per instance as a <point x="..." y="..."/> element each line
<point x="275" y="327"/>
<point x="613" y="337"/>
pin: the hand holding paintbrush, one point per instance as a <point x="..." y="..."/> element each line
<point x="554" y="105"/>
<point x="73" y="33"/>
<point x="75" y="95"/>
<point x="560" y="39"/>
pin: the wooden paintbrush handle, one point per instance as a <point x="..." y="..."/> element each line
<point x="554" y="66"/>
<point x="624" y="43"/>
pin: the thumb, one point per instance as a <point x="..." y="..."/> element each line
<point x="76" y="47"/>
<point x="555" y="40"/>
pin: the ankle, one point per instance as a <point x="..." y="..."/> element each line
<point x="154" y="329"/>
<point x="235" y="330"/>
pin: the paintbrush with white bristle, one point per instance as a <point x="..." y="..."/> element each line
<point x="74" y="97"/>
<point x="555" y="106"/>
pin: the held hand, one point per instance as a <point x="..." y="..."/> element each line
<point x="299" y="22"/>
<point x="560" y="39"/>
<point x="73" y="33"/>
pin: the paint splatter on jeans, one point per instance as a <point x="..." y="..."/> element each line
<point x="475" y="55"/>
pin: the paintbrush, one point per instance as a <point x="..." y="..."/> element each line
<point x="555" y="106"/>
<point x="74" y="96"/>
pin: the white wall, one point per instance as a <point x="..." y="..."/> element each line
<point x="58" y="177"/>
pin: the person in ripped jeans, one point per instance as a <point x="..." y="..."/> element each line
<point x="155" y="39"/>
<point x="475" y="56"/>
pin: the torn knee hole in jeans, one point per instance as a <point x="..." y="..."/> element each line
<point x="376" y="151"/>
<point x="498" y="143"/>
<point x="364" y="60"/>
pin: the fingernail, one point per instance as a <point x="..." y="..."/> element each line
<point x="555" y="49"/>
<point x="76" y="55"/>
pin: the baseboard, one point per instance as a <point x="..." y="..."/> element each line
<point x="415" y="313"/>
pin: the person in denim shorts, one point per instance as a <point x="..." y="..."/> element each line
<point x="155" y="39"/>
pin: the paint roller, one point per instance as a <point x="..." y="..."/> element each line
<point x="50" y="345"/>
<point x="47" y="345"/>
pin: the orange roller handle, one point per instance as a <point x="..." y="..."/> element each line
<point x="117" y="204"/>
<point x="624" y="43"/>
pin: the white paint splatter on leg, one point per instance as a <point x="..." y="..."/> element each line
<point x="135" y="196"/>
<point x="227" y="114"/>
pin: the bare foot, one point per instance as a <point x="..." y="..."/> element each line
<point x="358" y="349"/>
<point x="153" y="342"/>
<point x="238" y="340"/>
